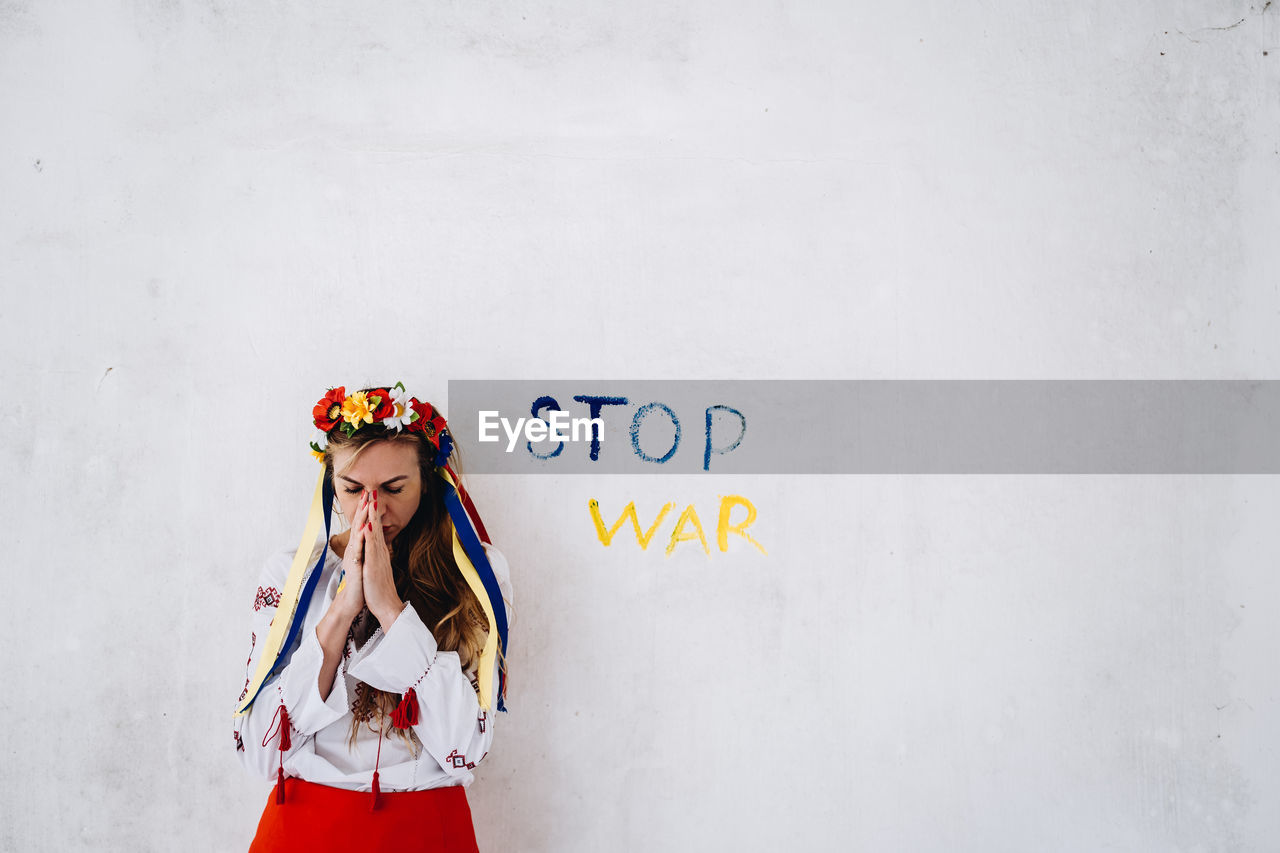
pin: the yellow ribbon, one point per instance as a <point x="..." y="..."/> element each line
<point x="288" y="598"/>
<point x="489" y="656"/>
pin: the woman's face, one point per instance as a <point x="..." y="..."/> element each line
<point x="391" y="467"/>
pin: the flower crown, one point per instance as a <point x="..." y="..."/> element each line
<point x="393" y="408"/>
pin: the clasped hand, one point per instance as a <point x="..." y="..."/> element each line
<point x="367" y="563"/>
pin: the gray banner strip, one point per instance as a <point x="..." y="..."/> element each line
<point x="875" y="426"/>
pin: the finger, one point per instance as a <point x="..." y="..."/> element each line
<point x="374" y="537"/>
<point x="376" y="522"/>
<point x="357" y="517"/>
<point x="362" y="512"/>
<point x="368" y="519"/>
<point x="359" y="526"/>
<point x="359" y="538"/>
<point x="378" y="536"/>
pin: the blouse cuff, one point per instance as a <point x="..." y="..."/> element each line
<point x="399" y="658"/>
<point x="308" y="713"/>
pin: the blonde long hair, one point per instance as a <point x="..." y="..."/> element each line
<point x="426" y="575"/>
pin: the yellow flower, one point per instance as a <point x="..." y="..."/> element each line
<point x="356" y="408"/>
<point x="318" y="454"/>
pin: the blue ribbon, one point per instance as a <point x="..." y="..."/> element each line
<point x="475" y="551"/>
<point x="304" y="598"/>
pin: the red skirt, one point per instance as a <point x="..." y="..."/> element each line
<point x="320" y="817"/>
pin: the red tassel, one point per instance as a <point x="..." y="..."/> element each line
<point x="406" y="713"/>
<point x="373" y="805"/>
<point x="285" y="742"/>
<point x="283" y="714"/>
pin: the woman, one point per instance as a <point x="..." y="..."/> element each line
<point x="377" y="655"/>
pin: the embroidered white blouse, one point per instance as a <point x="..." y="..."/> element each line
<point x="453" y="730"/>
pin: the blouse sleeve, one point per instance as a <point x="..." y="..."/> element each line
<point x="452" y="726"/>
<point x="293" y="693"/>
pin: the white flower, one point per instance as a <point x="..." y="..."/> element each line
<point x="403" y="415"/>
<point x="322" y="439"/>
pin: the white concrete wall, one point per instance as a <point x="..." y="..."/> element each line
<point x="213" y="211"/>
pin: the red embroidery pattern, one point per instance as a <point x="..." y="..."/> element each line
<point x="484" y="717"/>
<point x="245" y="692"/>
<point x="459" y="761"/>
<point x="252" y="645"/>
<point x="239" y="742"/>
<point x="424" y="675"/>
<point x="268" y="597"/>
<point x="292" y="727"/>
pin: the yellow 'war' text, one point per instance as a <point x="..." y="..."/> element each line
<point x="688" y="526"/>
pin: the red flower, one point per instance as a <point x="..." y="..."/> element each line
<point x="425" y="411"/>
<point x="385" y="407"/>
<point x="329" y="410"/>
